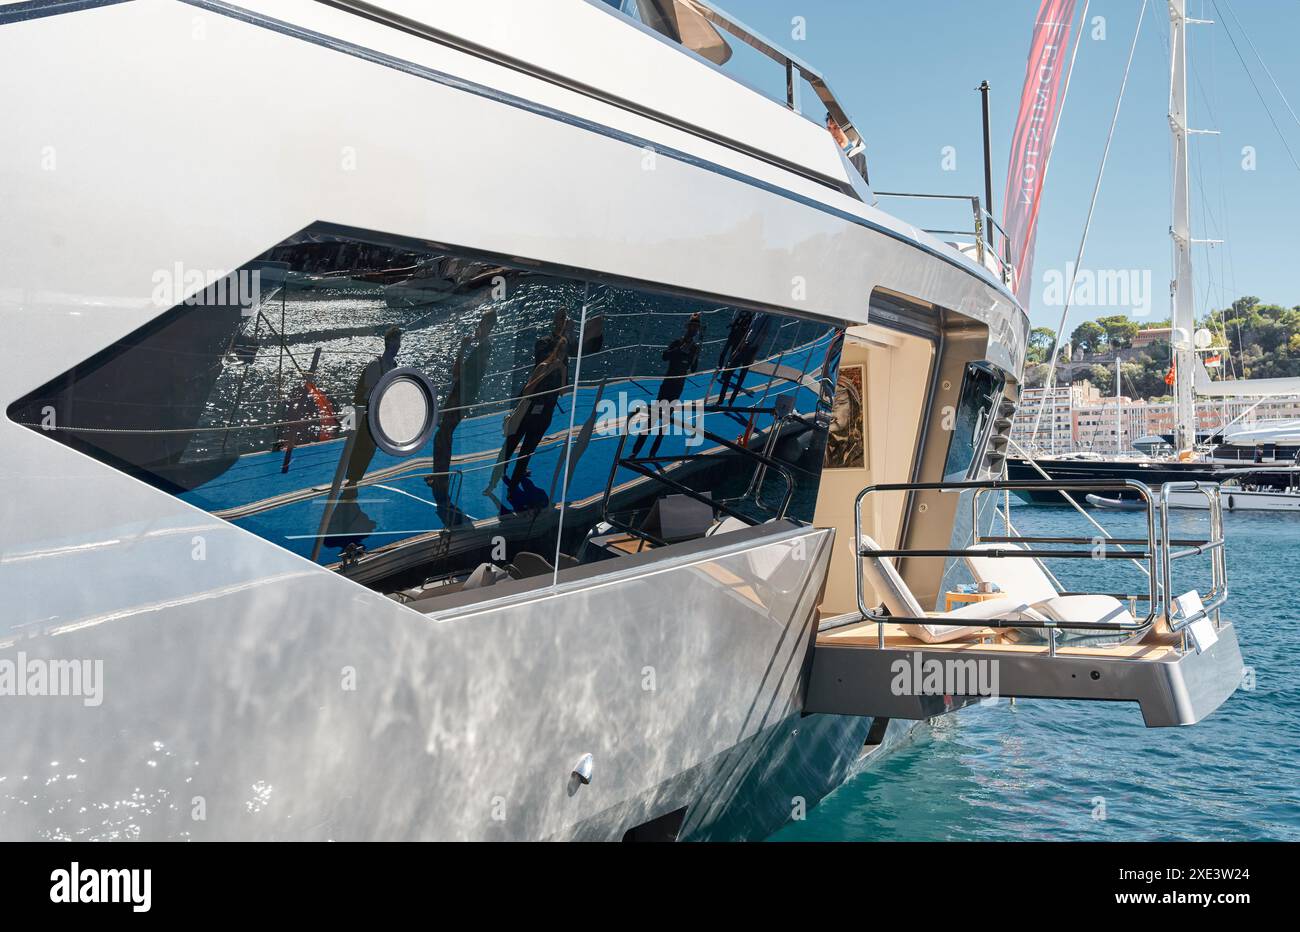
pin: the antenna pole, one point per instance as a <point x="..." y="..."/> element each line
<point x="1119" y="410"/>
<point x="988" y="167"/>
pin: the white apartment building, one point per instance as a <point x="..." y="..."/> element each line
<point x="1078" y="418"/>
<point x="1055" y="427"/>
<point x="1158" y="417"/>
<point x="1097" y="425"/>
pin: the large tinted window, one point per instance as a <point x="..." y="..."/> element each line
<point x="981" y="387"/>
<point x="579" y="420"/>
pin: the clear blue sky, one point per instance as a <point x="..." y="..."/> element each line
<point x="906" y="73"/>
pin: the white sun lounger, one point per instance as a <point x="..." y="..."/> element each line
<point x="889" y="586"/>
<point x="1024" y="579"/>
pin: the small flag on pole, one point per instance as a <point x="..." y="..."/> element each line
<point x="1214" y="361"/>
<point x="1169" y="376"/>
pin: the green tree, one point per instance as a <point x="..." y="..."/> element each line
<point x="1035" y="374"/>
<point x="1089" y="338"/>
<point x="1041" y="342"/>
<point x="1259" y="341"/>
<point x="1259" y="338"/>
<point x="1103" y="377"/>
<point x="1120" y="330"/>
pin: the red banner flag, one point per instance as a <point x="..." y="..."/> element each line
<point x="1031" y="146"/>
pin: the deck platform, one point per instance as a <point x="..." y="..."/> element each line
<point x="853" y="675"/>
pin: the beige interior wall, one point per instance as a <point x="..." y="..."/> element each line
<point x="933" y="513"/>
<point x="898" y="367"/>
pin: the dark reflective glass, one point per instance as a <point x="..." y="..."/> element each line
<point x="635" y="418"/>
<point x="981" y="387"/>
<point x="980" y="391"/>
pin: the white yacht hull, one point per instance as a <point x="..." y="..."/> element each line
<point x="1239" y="500"/>
<point x="249" y="693"/>
<point x="293" y="704"/>
<point x="1233" y="500"/>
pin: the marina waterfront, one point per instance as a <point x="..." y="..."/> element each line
<point x="1085" y="771"/>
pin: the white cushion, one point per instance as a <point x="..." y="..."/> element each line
<point x="938" y="634"/>
<point x="1099" y="608"/>
<point x="990" y="610"/>
<point x="888" y="585"/>
<point x="728" y="524"/>
<point x="1019" y="577"/>
<point x="879" y="573"/>
<point x="1013" y="609"/>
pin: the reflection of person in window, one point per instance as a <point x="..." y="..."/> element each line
<point x="363" y="449"/>
<point x="466" y="378"/>
<point x="683" y="358"/>
<point x="743" y="356"/>
<point x="736" y="331"/>
<point x="527" y="424"/>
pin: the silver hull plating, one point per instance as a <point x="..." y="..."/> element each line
<point x="249" y="694"/>
<point x="231" y="715"/>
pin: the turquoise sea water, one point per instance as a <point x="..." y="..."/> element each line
<point x="1046" y="770"/>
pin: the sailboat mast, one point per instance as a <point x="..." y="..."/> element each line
<point x="1184" y="308"/>
<point x="1119" y="410"/>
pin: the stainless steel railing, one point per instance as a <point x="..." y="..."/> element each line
<point x="653" y="469"/>
<point x="794" y="68"/>
<point x="650" y="14"/>
<point x="1213" y="546"/>
<point x="985" y="234"/>
<point x="1156" y="550"/>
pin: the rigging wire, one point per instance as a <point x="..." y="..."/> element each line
<point x="1050" y="376"/>
<point x="1227" y="268"/>
<point x="1258" y="57"/>
<point x="1227" y="262"/>
<point x="1258" y="93"/>
<point x="1228" y="278"/>
<point x="1239" y="364"/>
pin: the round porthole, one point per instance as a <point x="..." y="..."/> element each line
<point x="403" y="409"/>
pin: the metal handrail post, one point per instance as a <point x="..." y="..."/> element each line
<point x="1215" y="546"/>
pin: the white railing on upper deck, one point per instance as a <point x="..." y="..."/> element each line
<point x="651" y="13"/>
<point x="984" y="240"/>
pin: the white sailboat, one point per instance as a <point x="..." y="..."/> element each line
<point x="1250" y="489"/>
<point x="1241" y="494"/>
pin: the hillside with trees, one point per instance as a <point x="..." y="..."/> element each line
<point x="1258" y="341"/>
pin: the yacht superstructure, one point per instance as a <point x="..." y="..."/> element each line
<point x="448" y="421"/>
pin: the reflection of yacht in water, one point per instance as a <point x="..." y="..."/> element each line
<point x="511" y="617"/>
<point x="434" y="279"/>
